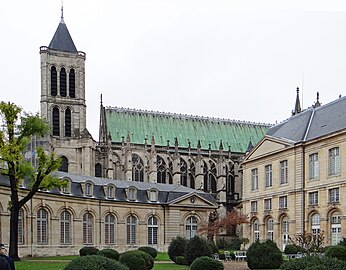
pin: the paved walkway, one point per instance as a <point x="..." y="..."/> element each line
<point x="233" y="265"/>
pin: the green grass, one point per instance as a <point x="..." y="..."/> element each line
<point x="162" y="256"/>
<point x="58" y="258"/>
<point x="169" y="266"/>
<point x="24" y="265"/>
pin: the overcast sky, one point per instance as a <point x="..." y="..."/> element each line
<point x="230" y="59"/>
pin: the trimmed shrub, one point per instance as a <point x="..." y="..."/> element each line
<point x="109" y="253"/>
<point x="180" y="260"/>
<point x="291" y="249"/>
<point x="212" y="247"/>
<point x="206" y="263"/>
<point x="196" y="247"/>
<point x="338" y="252"/>
<point x="84" y="251"/>
<point x="150" y="250"/>
<point x="177" y="248"/>
<point x="264" y="255"/>
<point x="137" y="260"/>
<point x="314" y="263"/>
<point x="94" y="262"/>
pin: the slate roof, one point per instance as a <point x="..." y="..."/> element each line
<point x="141" y="124"/>
<point x="62" y="40"/>
<point x="312" y="123"/>
<point x="166" y="193"/>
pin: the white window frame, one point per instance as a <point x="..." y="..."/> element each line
<point x="333" y="195"/>
<point x="131" y="227"/>
<point x="254" y="179"/>
<point x="152" y="231"/>
<point x="335" y="221"/>
<point x="313" y="198"/>
<point x="283" y="172"/>
<point x="283" y="202"/>
<point x="254" y="206"/>
<point x="256" y="231"/>
<point x="88" y="227"/>
<point x="334" y="161"/>
<point x="42" y="227"/>
<point x="191" y="227"/>
<point x="65" y="228"/>
<point x="267" y="204"/>
<point x="268" y="175"/>
<point x="313" y="166"/>
<point x="110" y="225"/>
<point x="270" y="229"/>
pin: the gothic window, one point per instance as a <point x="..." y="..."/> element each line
<point x="170" y="172"/>
<point x="21" y="227"/>
<point x="63" y="82"/>
<point x="152" y="231"/>
<point x="88" y="229"/>
<point x="110" y="229"/>
<point x="56" y="121"/>
<point x="230" y="178"/>
<point x="64" y="164"/>
<point x="191" y="175"/>
<point x="65" y="228"/>
<point x="72" y="83"/>
<point x="161" y="170"/>
<point x="183" y="172"/>
<point x="98" y="170"/>
<point x="42" y="227"/>
<point x="53" y="82"/>
<point x="68" y="122"/>
<point x="205" y="177"/>
<point x="131" y="223"/>
<point x="191" y="227"/>
<point x="209" y="177"/>
<point x="137" y="168"/>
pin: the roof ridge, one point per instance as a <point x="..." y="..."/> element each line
<point x="185" y="116"/>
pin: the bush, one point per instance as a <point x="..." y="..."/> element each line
<point x="84" y="251"/>
<point x="338" y="252"/>
<point x="206" y="263"/>
<point x="150" y="250"/>
<point x="196" y="247"/>
<point x="180" y="260"/>
<point x="137" y="260"/>
<point x="177" y="248"/>
<point x="264" y="255"/>
<point x="234" y="243"/>
<point x="314" y="263"/>
<point x="94" y="262"/>
<point x="109" y="253"/>
<point x="213" y="247"/>
<point x="293" y="249"/>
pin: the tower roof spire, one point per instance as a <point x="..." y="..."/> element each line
<point x="297" y="108"/>
<point x="62" y="11"/>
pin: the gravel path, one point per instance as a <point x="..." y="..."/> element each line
<point x="232" y="265"/>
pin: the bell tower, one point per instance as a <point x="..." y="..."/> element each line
<point x="63" y="85"/>
<point x="63" y="102"/>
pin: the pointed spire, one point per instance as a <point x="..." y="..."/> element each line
<point x="297" y="108"/>
<point x="317" y="103"/>
<point x="62" y="11"/>
<point x="221" y="145"/>
<point x="199" y="144"/>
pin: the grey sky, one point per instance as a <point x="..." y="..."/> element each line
<point x="230" y="59"/>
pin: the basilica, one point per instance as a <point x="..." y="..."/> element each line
<point x="149" y="177"/>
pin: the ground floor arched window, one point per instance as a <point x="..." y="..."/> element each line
<point x="88" y="224"/>
<point x="335" y="228"/>
<point x="255" y="232"/>
<point x="152" y="231"/>
<point x="191" y="227"/>
<point x="110" y="229"/>
<point x="131" y="224"/>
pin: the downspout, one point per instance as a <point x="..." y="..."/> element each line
<point x="31" y="229"/>
<point x="100" y="226"/>
<point x="164" y="225"/>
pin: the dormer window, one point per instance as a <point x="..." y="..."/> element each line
<point x="88" y="189"/>
<point x="131" y="193"/>
<point x="109" y="191"/>
<point x="153" y="195"/>
<point x="67" y="188"/>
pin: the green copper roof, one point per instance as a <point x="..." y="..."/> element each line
<point x="167" y="126"/>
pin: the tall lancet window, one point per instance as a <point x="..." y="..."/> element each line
<point x="68" y="122"/>
<point x="72" y="83"/>
<point x="63" y="82"/>
<point x="56" y="121"/>
<point x="53" y="81"/>
<point x="161" y="170"/>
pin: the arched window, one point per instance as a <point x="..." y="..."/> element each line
<point x="65" y="228"/>
<point x="256" y="232"/>
<point x="152" y="230"/>
<point x="183" y="172"/>
<point x="98" y="170"/>
<point x="72" y="83"/>
<point x="56" y="121"/>
<point x="88" y="222"/>
<point x="285" y="232"/>
<point x="63" y="82"/>
<point x="335" y="221"/>
<point x="315" y="225"/>
<point x="53" y="81"/>
<point x="230" y="175"/>
<point x="42" y="227"/>
<point x="21" y="227"/>
<point x="170" y="172"/>
<point x="64" y="164"/>
<point x="209" y="177"/>
<point x="161" y="170"/>
<point x="88" y="189"/>
<point x="191" y="227"/>
<point x="131" y="222"/>
<point x="110" y="229"/>
<point x="191" y="175"/>
<point x="68" y="123"/>
<point x="137" y="168"/>
<point x="270" y="229"/>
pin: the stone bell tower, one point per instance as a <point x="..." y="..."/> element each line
<point x="63" y="101"/>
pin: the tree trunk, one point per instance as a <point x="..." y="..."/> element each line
<point x="13" y="252"/>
